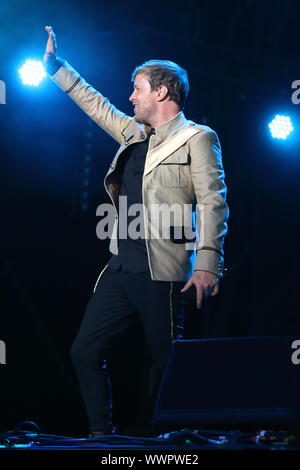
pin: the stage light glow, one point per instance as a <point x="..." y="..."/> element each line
<point x="32" y="72"/>
<point x="281" y="127"/>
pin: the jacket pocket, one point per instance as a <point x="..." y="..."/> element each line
<point x="175" y="170"/>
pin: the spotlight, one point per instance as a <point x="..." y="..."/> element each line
<point x="32" y="72"/>
<point x="281" y="127"/>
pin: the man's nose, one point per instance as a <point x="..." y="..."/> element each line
<point x="131" y="97"/>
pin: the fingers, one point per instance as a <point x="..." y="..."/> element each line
<point x="199" y="297"/>
<point x="199" y="294"/>
<point x="202" y="291"/>
<point x="51" y="46"/>
<point x="49" y="29"/>
<point x="187" y="286"/>
<point x="215" y="289"/>
<point x="209" y="291"/>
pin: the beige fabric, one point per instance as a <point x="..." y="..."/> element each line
<point x="162" y="151"/>
<point x="193" y="173"/>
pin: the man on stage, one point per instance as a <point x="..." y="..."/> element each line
<point x="163" y="159"/>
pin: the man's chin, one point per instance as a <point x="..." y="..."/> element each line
<point x="141" y="120"/>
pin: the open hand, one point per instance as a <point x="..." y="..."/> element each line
<point x="51" y="46"/>
<point x="206" y="284"/>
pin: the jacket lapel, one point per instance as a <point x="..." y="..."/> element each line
<point x="156" y="155"/>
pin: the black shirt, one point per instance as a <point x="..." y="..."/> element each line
<point x="132" y="256"/>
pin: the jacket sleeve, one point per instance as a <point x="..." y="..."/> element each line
<point x="96" y="106"/>
<point x="212" y="210"/>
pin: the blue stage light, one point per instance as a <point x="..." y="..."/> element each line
<point x="281" y="127"/>
<point x="32" y="72"/>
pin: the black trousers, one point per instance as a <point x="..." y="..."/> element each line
<point x="118" y="297"/>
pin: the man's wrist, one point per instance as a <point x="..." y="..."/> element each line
<point x="209" y="260"/>
<point x="53" y="64"/>
<point x="218" y="276"/>
<point x="205" y="271"/>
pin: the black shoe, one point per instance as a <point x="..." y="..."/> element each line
<point x="98" y="434"/>
<point x="103" y="433"/>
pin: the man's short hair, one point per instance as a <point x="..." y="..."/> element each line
<point x="165" y="72"/>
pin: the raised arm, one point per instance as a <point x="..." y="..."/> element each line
<point x="93" y="103"/>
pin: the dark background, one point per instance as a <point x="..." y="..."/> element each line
<point x="242" y="57"/>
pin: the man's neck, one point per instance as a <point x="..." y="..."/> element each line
<point x="164" y="117"/>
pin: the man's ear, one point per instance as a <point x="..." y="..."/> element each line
<point x="162" y="92"/>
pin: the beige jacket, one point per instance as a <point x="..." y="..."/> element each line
<point x="191" y="175"/>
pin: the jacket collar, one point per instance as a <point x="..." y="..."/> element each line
<point x="168" y="128"/>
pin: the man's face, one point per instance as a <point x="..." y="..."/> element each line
<point x="143" y="99"/>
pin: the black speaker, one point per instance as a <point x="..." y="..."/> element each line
<point x="235" y="383"/>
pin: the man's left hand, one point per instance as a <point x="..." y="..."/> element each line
<point x="206" y="284"/>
